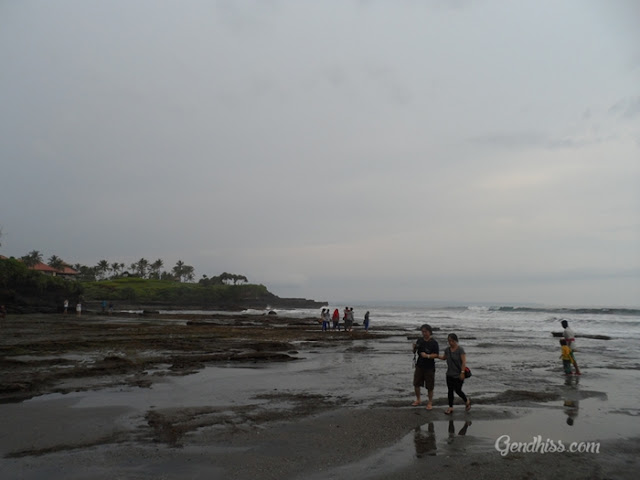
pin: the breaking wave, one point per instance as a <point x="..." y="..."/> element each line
<point x="567" y="311"/>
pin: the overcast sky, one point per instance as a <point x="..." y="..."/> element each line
<point x="473" y="151"/>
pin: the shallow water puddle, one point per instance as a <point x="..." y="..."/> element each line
<point x="571" y="421"/>
<point x="462" y="435"/>
<point x="448" y="438"/>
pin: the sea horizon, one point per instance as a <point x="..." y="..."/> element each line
<point x="495" y="304"/>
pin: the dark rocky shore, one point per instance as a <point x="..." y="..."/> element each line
<point x="118" y="409"/>
<point x="43" y="353"/>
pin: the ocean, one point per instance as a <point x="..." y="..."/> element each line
<point x="502" y="337"/>
<point x="515" y="333"/>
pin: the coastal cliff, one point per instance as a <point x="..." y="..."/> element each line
<point x="47" y="294"/>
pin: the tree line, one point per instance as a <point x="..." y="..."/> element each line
<point x="105" y="270"/>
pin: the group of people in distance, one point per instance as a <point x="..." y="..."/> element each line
<point x="65" y="307"/>
<point x="427" y="350"/>
<point x="327" y="319"/>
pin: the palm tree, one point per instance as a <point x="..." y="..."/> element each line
<point x="115" y="268"/>
<point x="56" y="262"/>
<point x="178" y="270"/>
<point x="141" y="267"/>
<point x="102" y="268"/>
<point x="32" y="259"/>
<point x="183" y="272"/>
<point x="188" y="273"/>
<point x="155" y="269"/>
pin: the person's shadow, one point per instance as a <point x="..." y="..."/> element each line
<point x="425" y="442"/>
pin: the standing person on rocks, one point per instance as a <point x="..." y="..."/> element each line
<point x="326" y="320"/>
<point x="570" y="337"/>
<point x="348" y="319"/>
<point x="366" y="321"/>
<point x="336" y="319"/>
<point x="456" y="363"/>
<point x="424" y="373"/>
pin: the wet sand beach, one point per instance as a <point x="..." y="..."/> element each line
<point x="246" y="396"/>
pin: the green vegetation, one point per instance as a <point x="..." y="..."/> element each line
<point x="168" y="292"/>
<point x="56" y="262"/>
<point x="21" y="286"/>
<point x="33" y="258"/>
<point x="24" y="289"/>
<point x="103" y="270"/>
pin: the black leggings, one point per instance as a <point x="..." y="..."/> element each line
<point x="455" y="384"/>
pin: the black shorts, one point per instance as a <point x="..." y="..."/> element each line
<point x="424" y="378"/>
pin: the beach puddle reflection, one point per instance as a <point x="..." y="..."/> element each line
<point x="425" y="440"/>
<point x="572" y="421"/>
<point x="441" y="438"/>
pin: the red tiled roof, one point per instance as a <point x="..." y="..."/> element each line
<point x="66" y="270"/>
<point x="42" y="267"/>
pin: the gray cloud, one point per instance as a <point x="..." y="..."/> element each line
<point x="627" y="108"/>
<point x="376" y="150"/>
<point x="515" y="140"/>
<point x="523" y="140"/>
